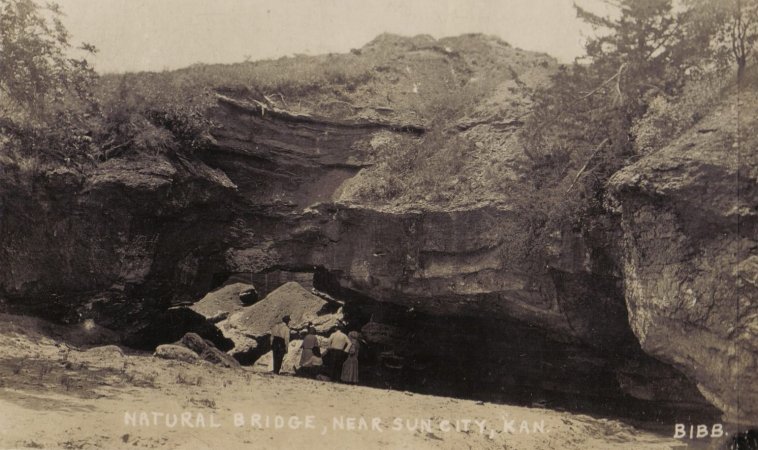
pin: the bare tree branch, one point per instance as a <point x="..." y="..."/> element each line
<point x="581" y="171"/>
<point x="615" y="76"/>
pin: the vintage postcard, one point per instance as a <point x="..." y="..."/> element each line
<point x="497" y="224"/>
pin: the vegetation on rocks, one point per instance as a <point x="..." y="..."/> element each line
<point x="652" y="72"/>
<point x="502" y="125"/>
<point x="434" y="176"/>
<point x="46" y="99"/>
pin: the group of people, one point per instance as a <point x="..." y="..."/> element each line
<point x="338" y="363"/>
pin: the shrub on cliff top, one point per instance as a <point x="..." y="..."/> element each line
<point x="668" y="117"/>
<point x="147" y="113"/>
<point x="52" y="108"/>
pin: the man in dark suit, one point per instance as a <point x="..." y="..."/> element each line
<point x="280" y="341"/>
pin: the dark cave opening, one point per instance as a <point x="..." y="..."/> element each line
<point x="510" y="362"/>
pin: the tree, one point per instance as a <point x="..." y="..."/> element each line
<point x="46" y="95"/>
<point x="645" y="48"/>
<point x="743" y="32"/>
<point x="731" y="26"/>
<point x="639" y="53"/>
<point x="37" y="71"/>
<point x="581" y="130"/>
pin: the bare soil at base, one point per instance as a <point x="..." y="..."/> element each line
<point x="55" y="395"/>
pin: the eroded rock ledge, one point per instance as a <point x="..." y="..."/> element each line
<point x="122" y="243"/>
<point x="690" y="222"/>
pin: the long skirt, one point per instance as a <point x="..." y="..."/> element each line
<point x="311" y="368"/>
<point x="350" y="370"/>
<point x="306" y="356"/>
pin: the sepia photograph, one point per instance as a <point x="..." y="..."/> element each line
<point x="379" y="224"/>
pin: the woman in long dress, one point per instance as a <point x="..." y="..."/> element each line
<point x="310" y="342"/>
<point x="310" y="361"/>
<point x="350" y="368"/>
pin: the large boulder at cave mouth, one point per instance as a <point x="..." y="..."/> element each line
<point x="251" y="326"/>
<point x="690" y="233"/>
<point x="217" y="305"/>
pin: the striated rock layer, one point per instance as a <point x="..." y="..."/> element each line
<point x="434" y="287"/>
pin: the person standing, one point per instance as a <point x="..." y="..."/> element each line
<point x="280" y="341"/>
<point x="350" y="368"/>
<point x="339" y="345"/>
<point x="310" y="361"/>
<point x="310" y="346"/>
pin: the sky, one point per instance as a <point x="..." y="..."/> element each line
<point x="134" y="35"/>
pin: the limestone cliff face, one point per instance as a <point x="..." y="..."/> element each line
<point x="150" y="231"/>
<point x="690" y="221"/>
<point x="465" y="261"/>
<point x="123" y="241"/>
<point x="99" y="242"/>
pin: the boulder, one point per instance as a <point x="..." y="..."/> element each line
<point x="217" y="305"/>
<point x="251" y="326"/>
<point x="193" y="342"/>
<point x="104" y="357"/>
<point x="207" y="351"/>
<point x="171" y="325"/>
<point x="178" y="352"/>
<point x="219" y="358"/>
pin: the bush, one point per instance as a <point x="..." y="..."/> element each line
<point x="145" y="113"/>
<point x="36" y="71"/>
<point x="437" y="163"/>
<point x="411" y="169"/>
<point x="666" y="117"/>
<point x="46" y="102"/>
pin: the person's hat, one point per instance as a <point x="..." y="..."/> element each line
<point x="286" y="318"/>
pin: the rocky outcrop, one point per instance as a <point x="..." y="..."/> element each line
<point x="217" y="305"/>
<point x="122" y="242"/>
<point x="250" y="327"/>
<point x="177" y="352"/>
<point x="129" y="237"/>
<point x="207" y="351"/>
<point x="690" y="221"/>
<point x="107" y="243"/>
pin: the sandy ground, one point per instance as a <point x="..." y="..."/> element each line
<point x="55" y="396"/>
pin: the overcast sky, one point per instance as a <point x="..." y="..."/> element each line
<point x="166" y="34"/>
